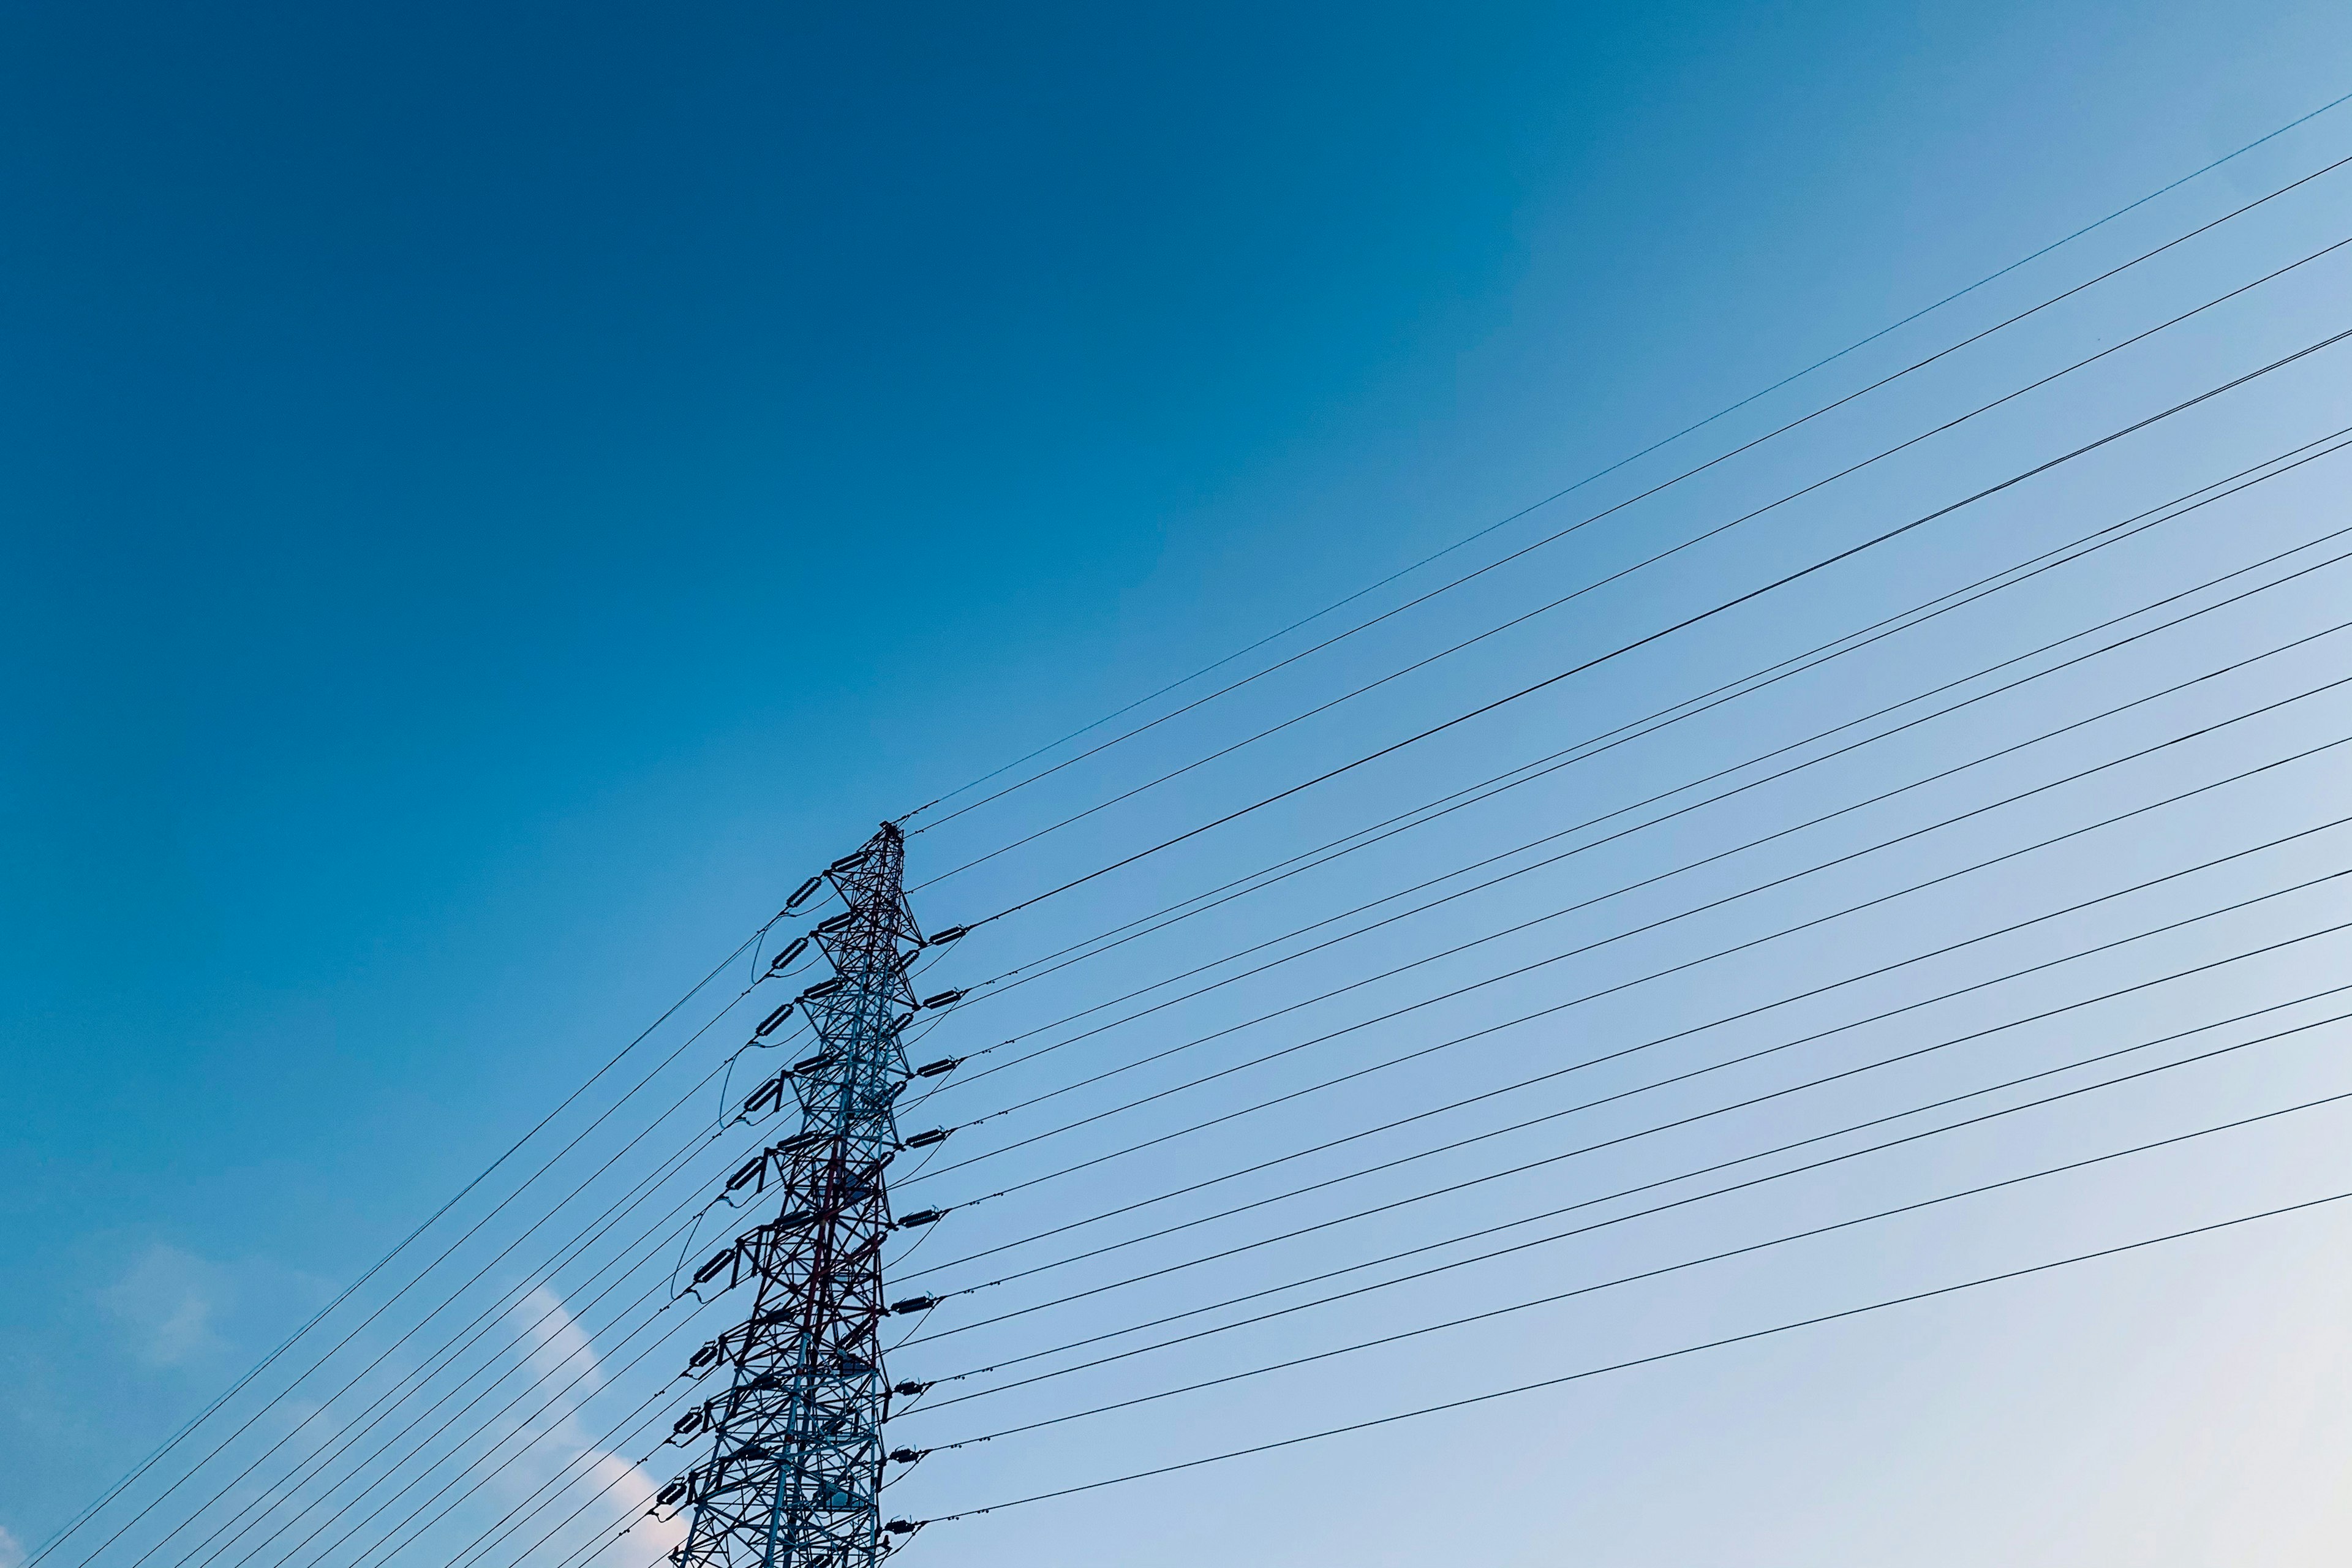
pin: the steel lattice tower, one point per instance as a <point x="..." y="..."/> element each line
<point x="795" y="1466"/>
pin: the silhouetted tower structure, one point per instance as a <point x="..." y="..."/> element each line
<point x="795" y="1466"/>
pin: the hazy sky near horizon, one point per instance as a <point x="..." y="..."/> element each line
<point x="492" y="495"/>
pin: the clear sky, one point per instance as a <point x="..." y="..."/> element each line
<point x="492" y="495"/>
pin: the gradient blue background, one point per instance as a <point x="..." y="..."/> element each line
<point x="490" y="494"/>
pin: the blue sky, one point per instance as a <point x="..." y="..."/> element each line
<point x="490" y="496"/>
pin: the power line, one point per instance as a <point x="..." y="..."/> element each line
<point x="1683" y="914"/>
<point x="1115" y="1154"/>
<point x="439" y="1504"/>
<point x="91" y="1510"/>
<point x="1655" y="489"/>
<point x="479" y="1482"/>
<point x="1618" y="1055"/>
<point x="1621" y="462"/>
<point x="1666" y="816"/>
<point x="554" y="1262"/>
<point x="485" y="1540"/>
<point x="504" y="1463"/>
<point x="121" y="1488"/>
<point x="1918" y="614"/>
<point x="481" y="1427"/>
<point x="2068" y="1066"/>
<point x="1915" y="1111"/>
<point x="1662" y="1356"/>
<point x="1720" y="607"/>
<point x="1686" y="1076"/>
<point x="1656" y="797"/>
<point x="1458" y="1239"/>
<point x="388" y="1303"/>
<point x="645" y="1190"/>
<point x="1641" y="564"/>
<point x="523" y="1428"/>
<point x="1554" y="1299"/>
<point x="383" y="1408"/>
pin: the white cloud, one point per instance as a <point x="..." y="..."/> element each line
<point x="559" y="1347"/>
<point x="12" y="1551"/>
<point x="168" y="1301"/>
<point x="562" y="1351"/>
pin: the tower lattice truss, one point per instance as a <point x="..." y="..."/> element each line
<point x="795" y="1462"/>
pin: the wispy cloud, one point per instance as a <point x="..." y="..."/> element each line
<point x="168" y="1302"/>
<point x="562" y="1352"/>
<point x="12" y="1551"/>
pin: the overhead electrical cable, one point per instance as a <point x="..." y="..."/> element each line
<point x="1515" y="1127"/>
<point x="1592" y="745"/>
<point x="1622" y="573"/>
<point x="91" y="1510"/>
<point x="1456" y="1239"/>
<point x="1724" y="1342"/>
<point x="470" y="1233"/>
<point x="1545" y="1162"/>
<point x="470" y="1552"/>
<point x="1156" y="1140"/>
<point x="1738" y="1015"/>
<point x="490" y="1312"/>
<point x="1682" y="914"/>
<point x="385" y="1406"/>
<point x="594" y="1230"/>
<point x="1642" y="825"/>
<point x="440" y="1506"/>
<point x="1460" y="1103"/>
<point x="478" y="1428"/>
<point x="546" y="1494"/>
<point x="1683" y="624"/>
<point x="1554" y="1299"/>
<point x="382" y="1356"/>
<point x="1613" y="468"/>
<point x="627" y="1429"/>
<point x="1757" y="782"/>
<point x="1676" y="479"/>
<point x="524" y="1424"/>
<point x="283" y="1490"/>
<point x="652" y="1234"/>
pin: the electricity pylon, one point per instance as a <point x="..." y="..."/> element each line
<point x="795" y="1465"/>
